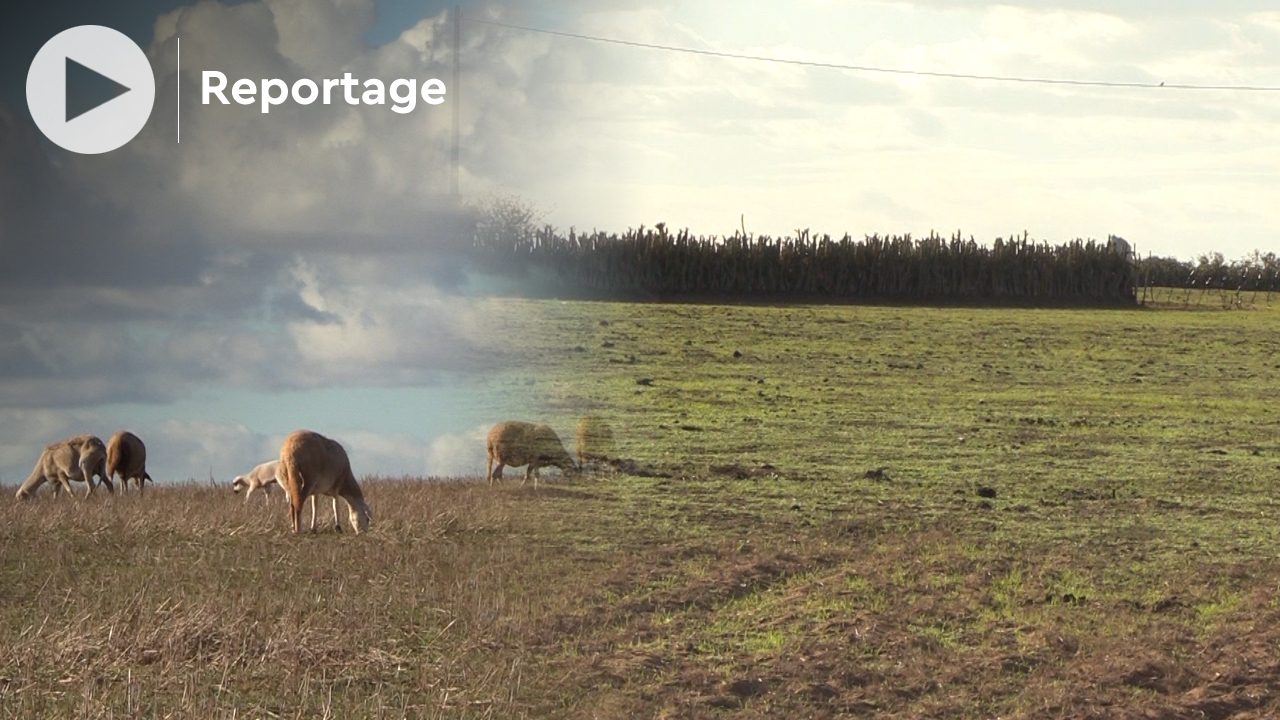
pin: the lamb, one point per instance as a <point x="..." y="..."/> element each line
<point x="595" y="440"/>
<point x="518" y="443"/>
<point x="266" y="476"/>
<point x="261" y="477"/>
<point x="312" y="464"/>
<point x="78" y="458"/>
<point x="127" y="457"/>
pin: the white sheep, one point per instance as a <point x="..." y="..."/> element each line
<point x="78" y="458"/>
<point x="262" y="477"/>
<point x="517" y="443"/>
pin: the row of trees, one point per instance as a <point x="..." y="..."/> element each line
<point x="510" y="239"/>
<point x="655" y="262"/>
<point x="1212" y="272"/>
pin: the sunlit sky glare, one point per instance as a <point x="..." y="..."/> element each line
<point x="700" y="142"/>
<point x="283" y="270"/>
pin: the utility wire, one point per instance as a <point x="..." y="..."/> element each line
<point x="892" y="71"/>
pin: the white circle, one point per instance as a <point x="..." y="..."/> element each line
<point x="106" y="52"/>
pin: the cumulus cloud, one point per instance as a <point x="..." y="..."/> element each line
<point x="458" y="454"/>
<point x="253" y="219"/>
<point x="206" y="450"/>
<point x="349" y="179"/>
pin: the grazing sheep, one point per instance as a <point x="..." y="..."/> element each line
<point x="77" y="458"/>
<point x="518" y="443"/>
<point x="54" y="466"/>
<point x="595" y="440"/>
<point x="127" y="457"/>
<point x="262" y="477"/>
<point x="87" y="455"/>
<point x="93" y="461"/>
<point x="312" y="464"/>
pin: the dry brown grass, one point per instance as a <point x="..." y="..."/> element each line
<point x="187" y="601"/>
<point x="621" y="597"/>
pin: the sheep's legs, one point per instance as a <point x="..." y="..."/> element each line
<point x="335" y="514"/>
<point x="295" y="513"/>
<point x="65" y="480"/>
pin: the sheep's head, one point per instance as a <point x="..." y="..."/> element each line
<point x="239" y="484"/>
<point x="360" y="515"/>
<point x="566" y="463"/>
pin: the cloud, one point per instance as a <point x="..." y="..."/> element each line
<point x="458" y="454"/>
<point x="331" y="178"/>
<point x="311" y="246"/>
<point x="206" y="450"/>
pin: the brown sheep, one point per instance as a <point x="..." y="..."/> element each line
<point x="77" y="458"/>
<point x="127" y="457"/>
<point x="518" y="443"/>
<point x="263" y="477"/>
<point x="595" y="440"/>
<point x="312" y="464"/>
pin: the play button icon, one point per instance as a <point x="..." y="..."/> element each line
<point x="90" y="89"/>
<point x="87" y="89"/>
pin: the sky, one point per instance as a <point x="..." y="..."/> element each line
<point x="296" y="268"/>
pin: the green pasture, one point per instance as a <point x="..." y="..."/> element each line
<point x="1042" y="405"/>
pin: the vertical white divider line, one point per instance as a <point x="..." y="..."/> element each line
<point x="179" y="91"/>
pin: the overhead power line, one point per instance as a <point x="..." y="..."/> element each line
<point x="890" y="71"/>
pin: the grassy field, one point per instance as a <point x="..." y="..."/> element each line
<point x="826" y="511"/>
